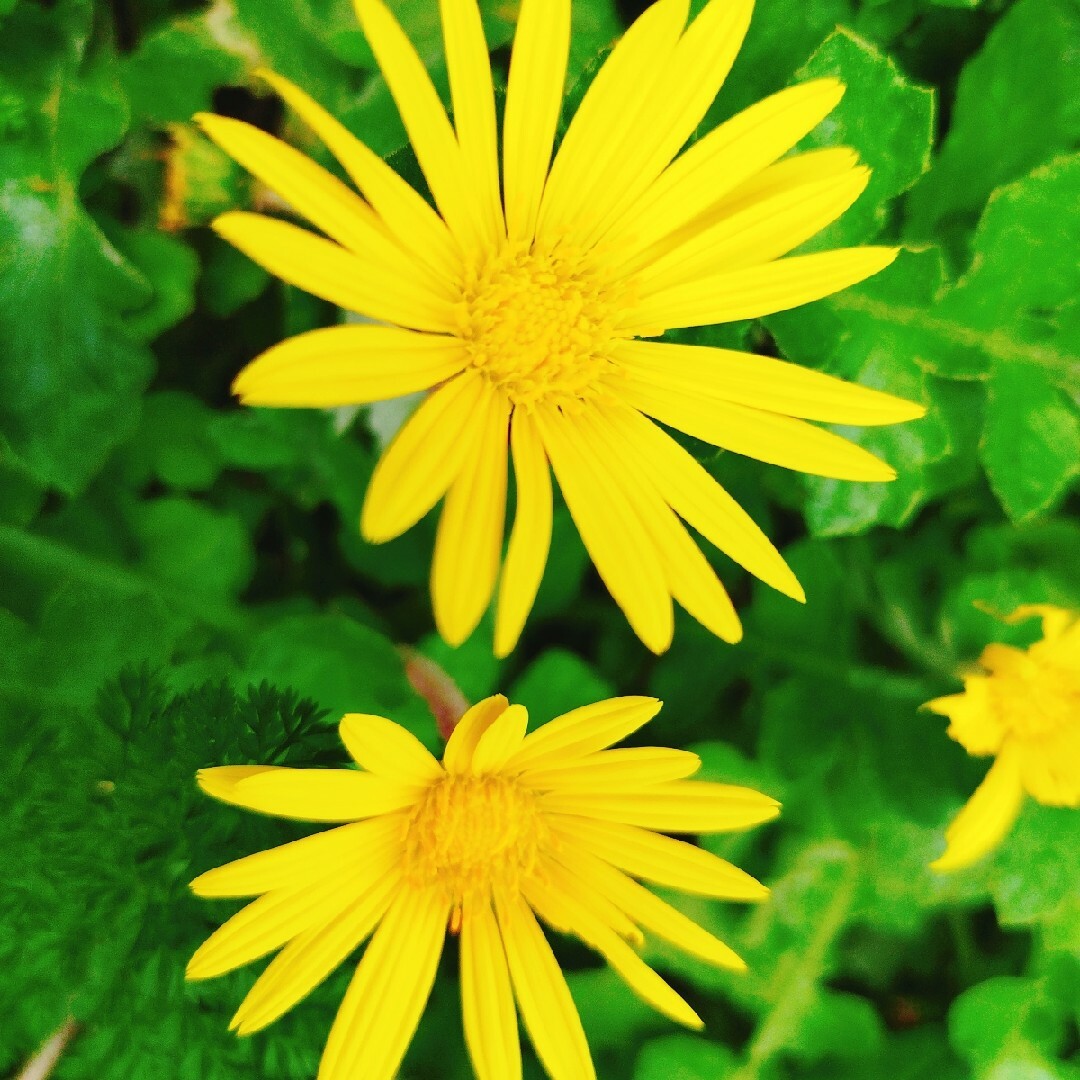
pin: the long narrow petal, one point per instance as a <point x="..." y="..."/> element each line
<point x="429" y="130"/>
<point x="692" y="581"/>
<point x="301" y="860"/>
<point x="686" y="806"/>
<point x="693" y="74"/>
<point x="661" y="859"/>
<point x="697" y="498"/>
<point x="534" y="96"/>
<point x="765" y="436"/>
<point x="501" y="741"/>
<point x="550" y="1016"/>
<point x="468" y="544"/>
<point x="626" y="560"/>
<point x="650" y="911"/>
<point x="589" y="151"/>
<point x="760" y="382"/>
<point x="348" y="365"/>
<point x="530" y="538"/>
<point x="572" y="905"/>
<point x="561" y="919"/>
<point x="986" y="818"/>
<point x="756" y="291"/>
<point x="328" y="271"/>
<point x="311" y="956"/>
<point x="760" y="233"/>
<point x="323" y="794"/>
<point x="626" y="769"/>
<point x="722" y="160"/>
<point x="423" y="460"/>
<point x="220" y="782"/>
<point x="387" y="749"/>
<point x="412" y="222"/>
<point x="583" y="731"/>
<point x="388" y="993"/>
<point x="460" y="747"/>
<point x="487" y="998"/>
<point x="474" y="109"/>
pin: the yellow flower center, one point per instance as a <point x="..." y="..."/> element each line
<point x="472" y="834"/>
<point x="1033" y="698"/>
<point x="540" y="323"/>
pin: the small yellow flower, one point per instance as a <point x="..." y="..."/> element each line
<point x="509" y="826"/>
<point x="1025" y="710"/>
<point x="520" y="299"/>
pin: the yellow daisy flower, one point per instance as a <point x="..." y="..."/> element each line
<point x="509" y="826"/>
<point x="1024" y="710"/>
<point x="521" y="300"/>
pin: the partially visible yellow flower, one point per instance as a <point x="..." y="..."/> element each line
<point x="1024" y="710"/>
<point x="519" y="301"/>
<point x="509" y="826"/>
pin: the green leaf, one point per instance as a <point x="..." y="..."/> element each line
<point x="556" y="682"/>
<point x="684" y="1057"/>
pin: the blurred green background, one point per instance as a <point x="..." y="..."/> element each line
<point x="182" y="582"/>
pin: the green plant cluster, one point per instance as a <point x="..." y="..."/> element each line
<point x="182" y="582"/>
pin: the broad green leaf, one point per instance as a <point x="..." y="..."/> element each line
<point x="556" y="682"/>
<point x="684" y="1057"/>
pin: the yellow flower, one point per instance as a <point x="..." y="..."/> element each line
<point x="1025" y="710"/>
<point x="507" y="827"/>
<point x="520" y="301"/>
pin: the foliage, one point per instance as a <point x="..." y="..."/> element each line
<point x="182" y="583"/>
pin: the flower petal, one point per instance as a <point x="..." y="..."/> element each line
<point x="468" y="544"/>
<point x="388" y="993"/>
<point x="534" y="97"/>
<point x="328" y="271"/>
<point x="501" y="740"/>
<point x="760" y="382"/>
<point x="323" y="794"/>
<point x="547" y="1008"/>
<point x="388" y="749"/>
<point x="626" y="769"/>
<point x="423" y="460"/>
<point x="530" y="537"/>
<point x="348" y="365"/>
<point x="989" y="814"/>
<point x="460" y="747"/>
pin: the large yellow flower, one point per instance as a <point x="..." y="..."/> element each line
<point x="521" y="300"/>
<point x="507" y="827"/>
<point x="1025" y="710"/>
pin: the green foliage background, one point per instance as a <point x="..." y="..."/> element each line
<point x="182" y="582"/>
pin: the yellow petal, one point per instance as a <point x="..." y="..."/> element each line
<point x="310" y="957"/>
<point x="718" y="163"/>
<point x="756" y="291"/>
<point x="560" y="916"/>
<point x="590" y="152"/>
<point x="429" y="130"/>
<point x="387" y="749"/>
<point x="330" y="272"/>
<point x="487" y="999"/>
<point x="221" y="781"/>
<point x="468" y="544"/>
<point x="661" y="859"/>
<point x="765" y="436"/>
<point x="387" y="995"/>
<point x="323" y="794"/>
<point x="626" y="769"/>
<point x="687" y="806"/>
<point x="760" y="382"/>
<point x="550" y="1016"/>
<point x="501" y="740"/>
<point x="697" y="498"/>
<point x="583" y="731"/>
<point x="413" y="223"/>
<point x="534" y="96"/>
<point x="530" y="537"/>
<point x="283" y="866"/>
<point x="460" y="747"/>
<point x="625" y="558"/>
<point x="474" y="110"/>
<point x="423" y="460"/>
<point x="692" y="77"/>
<point x="989" y="814"/>
<point x="348" y="365"/>
<point x="760" y="233"/>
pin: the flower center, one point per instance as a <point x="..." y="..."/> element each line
<point x="539" y="323"/>
<point x="472" y="834"/>
<point x="1034" y="699"/>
